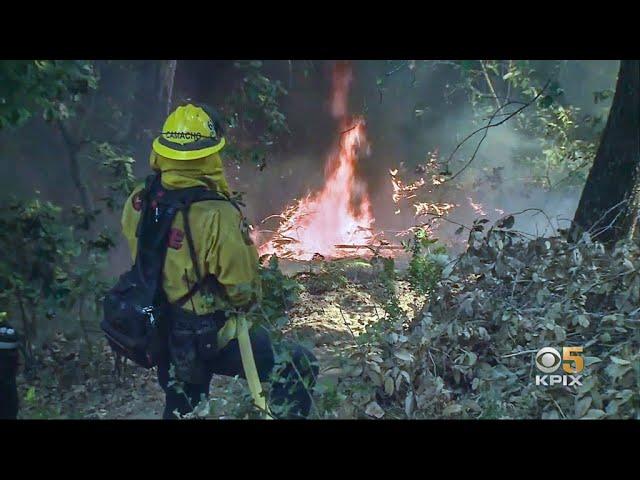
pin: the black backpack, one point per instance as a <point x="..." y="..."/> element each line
<point x="135" y="309"/>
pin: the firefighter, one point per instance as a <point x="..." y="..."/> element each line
<point x="8" y="369"/>
<point x="187" y="154"/>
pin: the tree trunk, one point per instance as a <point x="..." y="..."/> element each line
<point x="154" y="93"/>
<point x="608" y="206"/>
<point x="166" y="86"/>
<point x="76" y="175"/>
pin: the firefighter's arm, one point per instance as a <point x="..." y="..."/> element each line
<point x="233" y="258"/>
<point x="129" y="221"/>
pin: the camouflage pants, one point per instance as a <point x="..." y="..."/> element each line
<point x="296" y="378"/>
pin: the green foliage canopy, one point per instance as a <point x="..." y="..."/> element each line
<point x="53" y="87"/>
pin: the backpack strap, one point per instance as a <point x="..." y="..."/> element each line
<point x="151" y="182"/>
<point x="143" y="261"/>
<point x="192" y="250"/>
<point x="200" y="281"/>
<point x="181" y="200"/>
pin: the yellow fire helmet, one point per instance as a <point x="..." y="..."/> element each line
<point x="190" y="132"/>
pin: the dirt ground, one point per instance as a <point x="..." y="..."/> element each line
<point x="72" y="384"/>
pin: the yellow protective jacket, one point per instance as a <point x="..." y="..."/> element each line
<point x="221" y="241"/>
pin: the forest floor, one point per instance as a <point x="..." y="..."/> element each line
<point x="71" y="384"/>
<point x="505" y="299"/>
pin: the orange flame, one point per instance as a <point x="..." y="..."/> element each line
<point x="340" y="213"/>
<point x="402" y="191"/>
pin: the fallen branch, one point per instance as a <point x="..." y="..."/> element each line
<point x="379" y="247"/>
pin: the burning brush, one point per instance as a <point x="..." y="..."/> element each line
<point x="335" y="221"/>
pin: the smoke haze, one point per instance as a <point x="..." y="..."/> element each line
<point x="35" y="159"/>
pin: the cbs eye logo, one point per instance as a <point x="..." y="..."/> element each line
<point x="548" y="360"/>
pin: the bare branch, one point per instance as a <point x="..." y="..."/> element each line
<point x="486" y="128"/>
<point x="488" y="79"/>
<point x="604" y="215"/>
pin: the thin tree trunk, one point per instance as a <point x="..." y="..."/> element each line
<point x="83" y="324"/>
<point x="608" y="207"/>
<point x="165" y="94"/>
<point x="76" y="175"/>
<point x="27" y="329"/>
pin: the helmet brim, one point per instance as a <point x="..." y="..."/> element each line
<point x="174" y="154"/>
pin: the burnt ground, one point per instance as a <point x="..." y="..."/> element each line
<point x="72" y="383"/>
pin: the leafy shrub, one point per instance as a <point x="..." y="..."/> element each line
<point x="428" y="258"/>
<point x="470" y="353"/>
<point x="50" y="269"/>
<point x="35" y="275"/>
<point x="329" y="278"/>
<point x="279" y="293"/>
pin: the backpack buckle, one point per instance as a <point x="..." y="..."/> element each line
<point x="149" y="312"/>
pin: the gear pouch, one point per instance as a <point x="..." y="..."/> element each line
<point x="193" y="346"/>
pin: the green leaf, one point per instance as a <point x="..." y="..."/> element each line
<point x="594" y="414"/>
<point x="467" y="64"/>
<point x="546" y="101"/>
<point x="30" y="396"/>
<point x="582" y="406"/>
<point x="619" y="361"/>
<point x="452" y="410"/>
<point x="588" y="361"/>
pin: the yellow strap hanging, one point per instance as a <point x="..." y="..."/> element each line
<point x="239" y="328"/>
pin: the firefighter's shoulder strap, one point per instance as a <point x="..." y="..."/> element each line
<point x="183" y="199"/>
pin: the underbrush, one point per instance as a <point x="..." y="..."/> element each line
<point x="471" y="352"/>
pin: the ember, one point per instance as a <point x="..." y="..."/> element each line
<point x="477" y="207"/>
